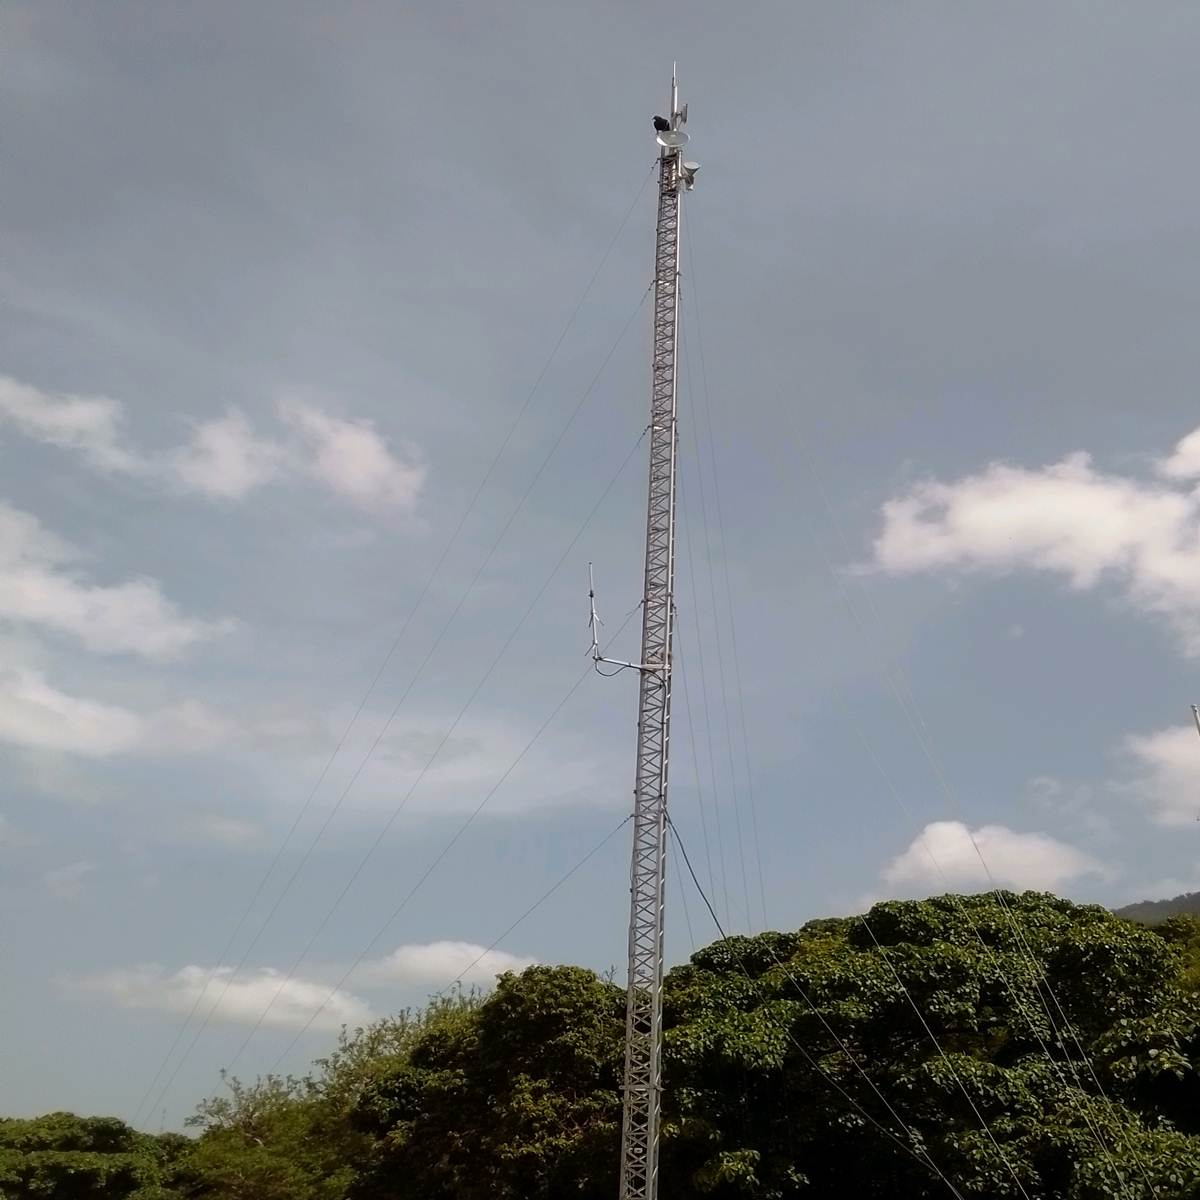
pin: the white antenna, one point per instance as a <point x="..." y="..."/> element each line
<point x="643" y="1013"/>
<point x="1196" y="718"/>
<point x="598" y="657"/>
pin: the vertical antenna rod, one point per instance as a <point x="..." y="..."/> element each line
<point x="643" y="1020"/>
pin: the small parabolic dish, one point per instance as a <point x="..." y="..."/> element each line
<point x="673" y="139"/>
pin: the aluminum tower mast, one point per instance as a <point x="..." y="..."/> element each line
<point x="643" y="1021"/>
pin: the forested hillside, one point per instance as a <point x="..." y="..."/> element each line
<point x="1150" y="912"/>
<point x="974" y="1046"/>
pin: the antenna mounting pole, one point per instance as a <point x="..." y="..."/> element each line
<point x="643" y="1021"/>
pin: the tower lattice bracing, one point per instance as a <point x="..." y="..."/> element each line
<point x="643" y="1040"/>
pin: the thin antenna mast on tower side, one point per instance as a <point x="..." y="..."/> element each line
<point x="643" y="1020"/>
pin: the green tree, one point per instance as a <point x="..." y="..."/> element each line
<point x="298" y="1139"/>
<point x="791" y="1055"/>
<point x="804" y="1064"/>
<point x="1002" y="1046"/>
<point x="518" y="1098"/>
<point x="65" y="1157"/>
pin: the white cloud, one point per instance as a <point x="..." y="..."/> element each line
<point x="88" y="424"/>
<point x="190" y="727"/>
<point x="1068" y="519"/>
<point x="224" y="997"/>
<point x="228" y="831"/>
<point x="552" y="773"/>
<point x="66" y="883"/>
<point x="1167" y="765"/>
<point x="38" y="716"/>
<point x="944" y="855"/>
<point x="441" y="963"/>
<point x="352" y="459"/>
<point x="1184" y="462"/>
<point x="226" y="459"/>
<point x="40" y="586"/>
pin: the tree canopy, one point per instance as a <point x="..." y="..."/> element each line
<point x="988" y="1046"/>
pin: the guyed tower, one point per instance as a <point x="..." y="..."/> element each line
<point x="643" y="1020"/>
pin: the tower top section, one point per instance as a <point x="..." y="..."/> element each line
<point x="669" y="130"/>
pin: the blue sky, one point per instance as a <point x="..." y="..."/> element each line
<point x="278" y="280"/>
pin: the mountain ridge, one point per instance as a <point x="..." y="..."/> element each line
<point x="1153" y="912"/>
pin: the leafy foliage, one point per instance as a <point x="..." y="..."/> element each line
<point x="300" y="1139"/>
<point x="79" y="1158"/>
<point x="986" y="1047"/>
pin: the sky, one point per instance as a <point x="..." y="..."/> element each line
<point x="323" y="372"/>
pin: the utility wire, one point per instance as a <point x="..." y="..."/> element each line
<point x="438" y="858"/>
<point x="687" y="708"/>
<point x="847" y="607"/>
<point x="739" y="692"/>
<point x="962" y="1087"/>
<point x="408" y="689"/>
<point x="921" y="1155"/>
<point x="441" y="855"/>
<point x="721" y="680"/>
<point x="687" y="916"/>
<point x="921" y="732"/>
<point x="608" y="837"/>
<point x="994" y="958"/>
<point x="705" y="717"/>
<point x="906" y="701"/>
<point x="445" y="738"/>
<point x="907" y="705"/>
<point x="387" y="658"/>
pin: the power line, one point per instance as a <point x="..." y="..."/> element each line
<point x="907" y="704"/>
<point x="721" y="682"/>
<point x="1014" y="991"/>
<point x="687" y="707"/>
<point x="706" y="721"/>
<point x="943" y="1055"/>
<point x="608" y="837"/>
<point x="387" y="658"/>
<point x="921" y="1155"/>
<point x="408" y="689"/>
<point x="449" y="732"/>
<point x="449" y="845"/>
<point x="429" y="870"/>
<point x="739" y="692"/>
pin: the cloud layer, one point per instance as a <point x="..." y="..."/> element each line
<point x="1068" y="519"/>
<point x="36" y="715"/>
<point x="947" y="854"/>
<point x="1167" y="763"/>
<point x="42" y="586"/>
<point x="441" y="963"/>
<point x="243" y="998"/>
<point x="239" y="1000"/>
<point x="225" y="458"/>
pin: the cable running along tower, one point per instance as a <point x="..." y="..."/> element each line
<point x="643" y="1021"/>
